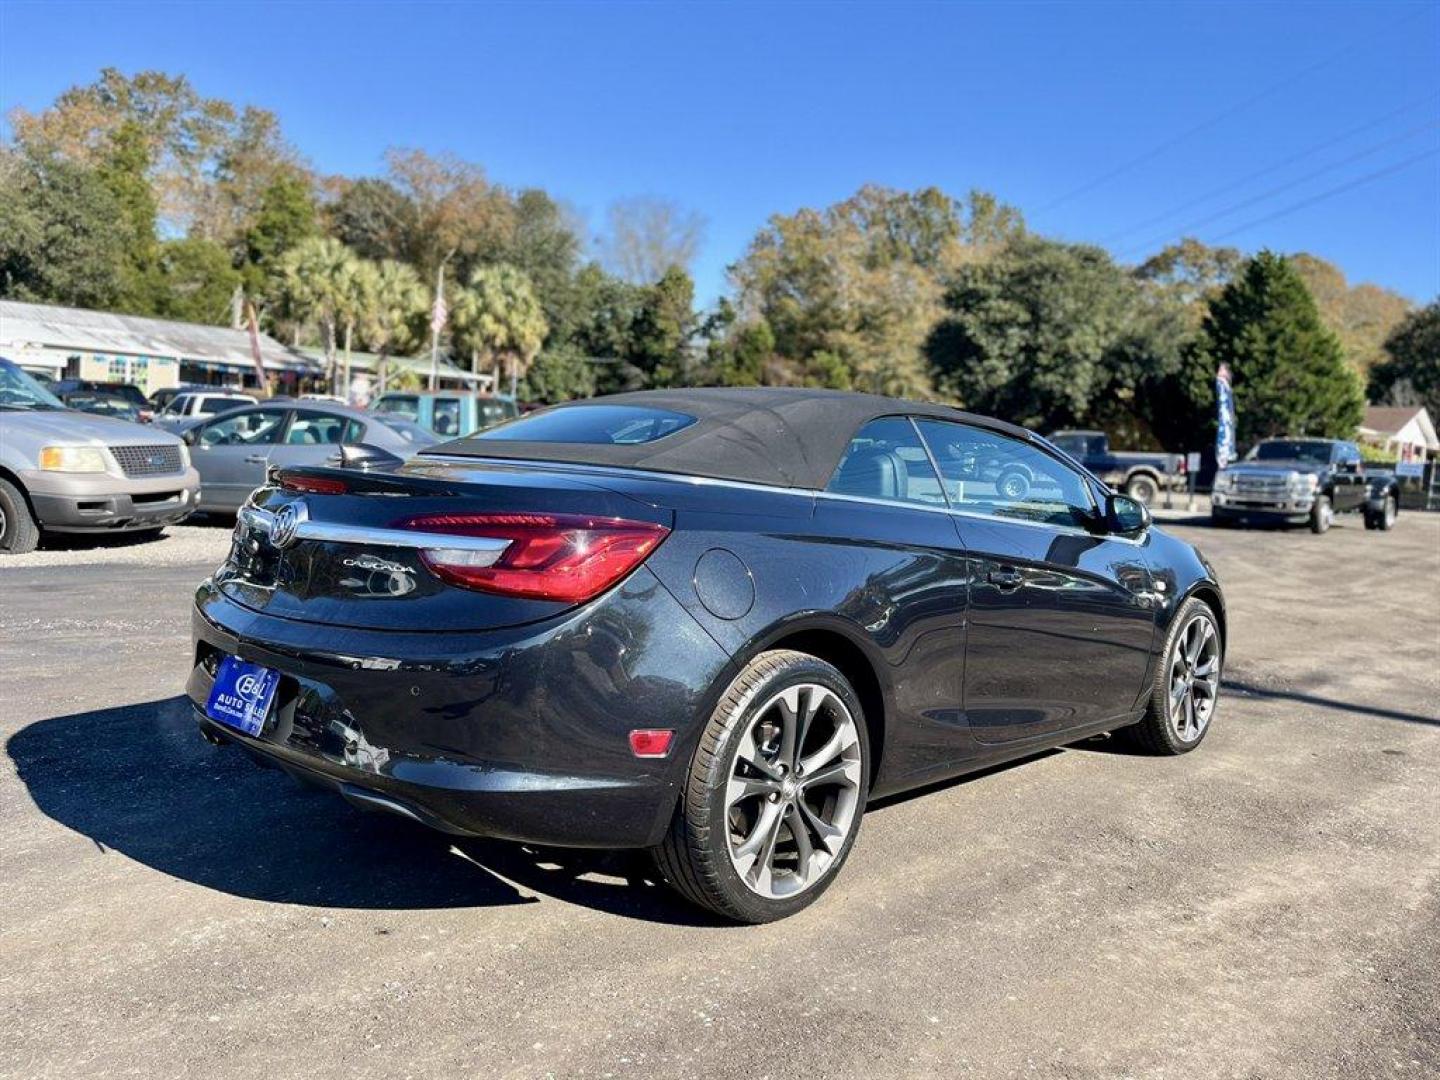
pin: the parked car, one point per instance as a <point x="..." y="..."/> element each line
<point x="166" y="394"/>
<point x="448" y="413"/>
<point x="102" y="403"/>
<point x="129" y="391"/>
<point x="1141" y="474"/>
<point x="193" y="405"/>
<point x="1304" y="481"/>
<point x="68" y="471"/>
<point x="233" y="451"/>
<point x="710" y="623"/>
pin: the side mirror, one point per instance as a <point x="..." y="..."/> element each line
<point x="190" y="436"/>
<point x="368" y="458"/>
<point x="1125" y="515"/>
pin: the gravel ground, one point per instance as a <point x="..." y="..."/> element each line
<point x="1266" y="907"/>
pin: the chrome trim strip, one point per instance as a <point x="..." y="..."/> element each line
<point x="744" y="485"/>
<point x="339" y="533"/>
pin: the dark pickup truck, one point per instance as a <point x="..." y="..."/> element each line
<point x="1304" y="482"/>
<point x="1140" y="474"/>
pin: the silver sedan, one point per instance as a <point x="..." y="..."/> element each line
<point x="233" y="451"/>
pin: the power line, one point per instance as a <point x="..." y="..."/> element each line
<point x="1205" y="125"/>
<point x="1288" y="185"/>
<point x="1322" y="196"/>
<point x="1248" y="178"/>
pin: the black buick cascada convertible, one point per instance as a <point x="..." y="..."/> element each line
<point x="710" y="623"/>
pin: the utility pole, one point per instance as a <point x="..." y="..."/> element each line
<point x="437" y="321"/>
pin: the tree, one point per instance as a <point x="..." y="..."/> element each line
<point x="646" y="236"/>
<point x="285" y="217"/>
<point x="1411" y="373"/>
<point x="397" y="296"/>
<point x="457" y="211"/>
<point x="497" y="317"/>
<point x="1191" y="272"/>
<point x="58" y="241"/>
<point x="314" y="282"/>
<point x="194" y="281"/>
<point x="664" y="322"/>
<point x="861" y="281"/>
<point x="1045" y="334"/>
<point x="123" y="171"/>
<point x="560" y="374"/>
<point x="1362" y="317"/>
<point x="1288" y="370"/>
<point x="373" y="218"/>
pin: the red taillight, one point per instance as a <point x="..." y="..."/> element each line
<point x="317" y="485"/>
<point x="568" y="557"/>
<point x="650" y="742"/>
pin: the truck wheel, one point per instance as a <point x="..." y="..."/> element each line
<point x="1014" y="485"/>
<point x="1143" y="489"/>
<point x="1384" y="518"/>
<point x="1322" y="515"/>
<point x="18" y="531"/>
<point x="775" y="792"/>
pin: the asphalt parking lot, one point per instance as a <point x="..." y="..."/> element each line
<point x="1266" y="907"/>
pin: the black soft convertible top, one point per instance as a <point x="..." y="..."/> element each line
<point x="782" y="436"/>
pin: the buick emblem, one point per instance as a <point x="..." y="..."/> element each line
<point x="285" y="525"/>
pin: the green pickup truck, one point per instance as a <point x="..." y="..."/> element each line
<point x="448" y="413"/>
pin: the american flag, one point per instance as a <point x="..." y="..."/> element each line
<point x="439" y="313"/>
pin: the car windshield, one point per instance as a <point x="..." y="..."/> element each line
<point x="19" y="390"/>
<point x="406" y="405"/>
<point x="107" y="404"/>
<point x="1311" y="451"/>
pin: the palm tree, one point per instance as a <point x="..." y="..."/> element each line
<point x="355" y="291"/>
<point x="499" y="317"/>
<point x="313" y="282"/>
<point x="396" y="297"/>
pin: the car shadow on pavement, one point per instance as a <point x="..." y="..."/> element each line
<point x="138" y="779"/>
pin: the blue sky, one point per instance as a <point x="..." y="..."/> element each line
<point x="1094" y="119"/>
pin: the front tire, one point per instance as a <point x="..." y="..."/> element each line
<point x="1186" y="688"/>
<point x="19" y="532"/>
<point x="775" y="793"/>
<point x="1322" y="515"/>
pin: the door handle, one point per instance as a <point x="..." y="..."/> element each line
<point x="1006" y="577"/>
<point x="256" y="459"/>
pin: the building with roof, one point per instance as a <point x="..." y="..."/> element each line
<point x="151" y="353"/>
<point x="1407" y="431"/>
<point x="358" y="376"/>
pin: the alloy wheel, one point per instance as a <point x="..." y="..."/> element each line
<point x="1389" y="511"/>
<point x="4" y="523"/>
<point x="1194" y="678"/>
<point x="794" y="791"/>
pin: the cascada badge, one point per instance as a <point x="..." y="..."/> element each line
<point x="285" y="526"/>
<point x="242" y="695"/>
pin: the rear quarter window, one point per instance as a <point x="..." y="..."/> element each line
<point x="596" y="425"/>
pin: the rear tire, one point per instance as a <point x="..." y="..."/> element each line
<point x="1185" y="691"/>
<point x="1383" y="519"/>
<point x="19" y="532"/>
<point x="754" y="837"/>
<point x="1322" y="515"/>
<point x="1143" y="489"/>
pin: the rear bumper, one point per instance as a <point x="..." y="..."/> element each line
<point x="102" y="504"/>
<point x="519" y="734"/>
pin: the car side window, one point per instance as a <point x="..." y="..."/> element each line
<point x="354" y="432"/>
<point x="447" y="416"/>
<point x="176" y="405"/>
<point x="315" y="429"/>
<point x="988" y="473"/>
<point x="886" y="460"/>
<point x="260" y="427"/>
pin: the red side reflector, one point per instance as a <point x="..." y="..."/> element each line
<point x="318" y="485"/>
<point x="566" y="557"/>
<point x="650" y="742"/>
